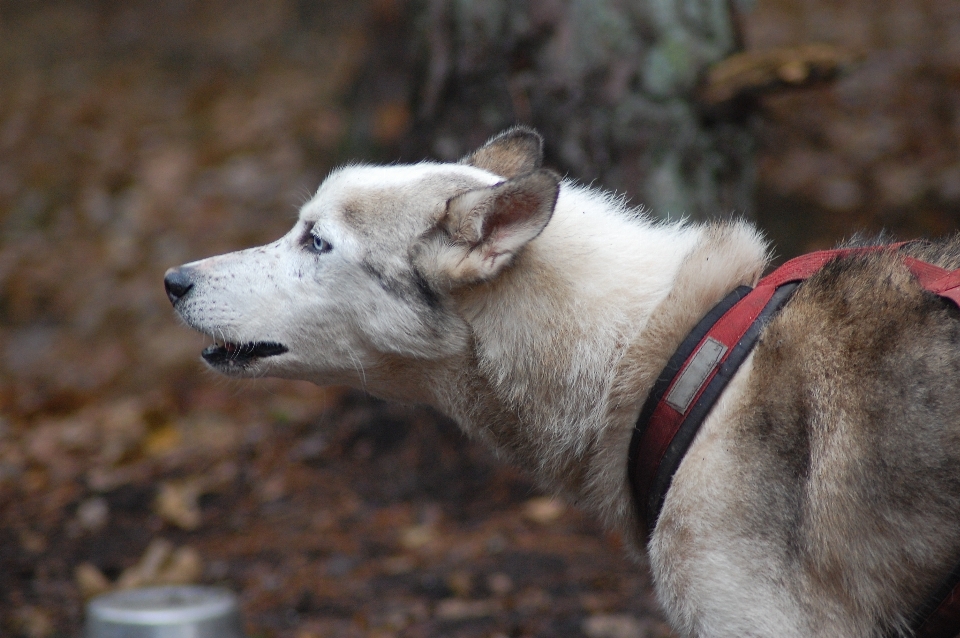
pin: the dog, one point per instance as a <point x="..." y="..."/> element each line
<point x="821" y="496"/>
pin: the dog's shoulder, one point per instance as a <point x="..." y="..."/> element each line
<point x="863" y="326"/>
<point x="852" y="422"/>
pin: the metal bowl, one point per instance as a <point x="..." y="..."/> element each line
<point x="182" y="611"/>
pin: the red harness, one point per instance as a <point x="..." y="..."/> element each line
<point x="698" y="372"/>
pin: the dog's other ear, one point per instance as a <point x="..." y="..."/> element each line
<point x="483" y="229"/>
<point x="512" y="153"/>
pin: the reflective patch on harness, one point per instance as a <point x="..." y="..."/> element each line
<point x="693" y="377"/>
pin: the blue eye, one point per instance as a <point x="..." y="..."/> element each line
<point x="321" y="245"/>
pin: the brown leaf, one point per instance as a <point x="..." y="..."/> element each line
<point x="754" y="72"/>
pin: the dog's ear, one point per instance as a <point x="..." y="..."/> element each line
<point x="512" y="153"/>
<point x="483" y="229"/>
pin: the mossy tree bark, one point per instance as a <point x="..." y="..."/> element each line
<point x="611" y="84"/>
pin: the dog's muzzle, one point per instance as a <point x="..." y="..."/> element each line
<point x="224" y="355"/>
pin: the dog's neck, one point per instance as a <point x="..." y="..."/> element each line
<point x="567" y="342"/>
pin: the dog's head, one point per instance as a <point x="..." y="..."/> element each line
<point x="371" y="268"/>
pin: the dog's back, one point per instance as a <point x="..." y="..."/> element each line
<point x="843" y="457"/>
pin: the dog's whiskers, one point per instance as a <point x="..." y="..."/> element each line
<point x="359" y="366"/>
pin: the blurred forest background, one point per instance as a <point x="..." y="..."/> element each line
<point x="139" y="135"/>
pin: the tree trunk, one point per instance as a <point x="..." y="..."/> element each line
<point x="611" y="85"/>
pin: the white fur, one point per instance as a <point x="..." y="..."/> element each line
<point x="718" y="569"/>
<point x="548" y="359"/>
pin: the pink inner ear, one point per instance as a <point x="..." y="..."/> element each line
<point x="510" y="209"/>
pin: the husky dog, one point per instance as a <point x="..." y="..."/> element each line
<point x="821" y="497"/>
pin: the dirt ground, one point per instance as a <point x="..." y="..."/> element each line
<point x="135" y="136"/>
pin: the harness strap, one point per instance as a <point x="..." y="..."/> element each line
<point x="703" y="365"/>
<point x="699" y="371"/>
<point x="944" y="283"/>
<point x="694" y="382"/>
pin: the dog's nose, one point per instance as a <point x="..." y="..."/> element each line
<point x="178" y="282"/>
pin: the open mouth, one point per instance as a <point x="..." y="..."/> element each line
<point x="241" y="354"/>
